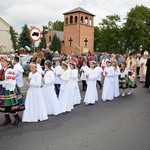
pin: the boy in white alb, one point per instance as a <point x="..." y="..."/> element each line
<point x="57" y="71"/>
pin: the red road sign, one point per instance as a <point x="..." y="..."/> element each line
<point x="35" y="34"/>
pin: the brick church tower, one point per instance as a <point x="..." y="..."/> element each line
<point x="78" y="31"/>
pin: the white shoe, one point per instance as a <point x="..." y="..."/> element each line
<point x="123" y="94"/>
<point x="130" y="93"/>
<point x="86" y="103"/>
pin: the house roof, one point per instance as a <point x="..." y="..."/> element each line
<point x="78" y="9"/>
<point x="59" y="34"/>
<point x="2" y="20"/>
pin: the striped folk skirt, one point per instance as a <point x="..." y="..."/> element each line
<point x="11" y="101"/>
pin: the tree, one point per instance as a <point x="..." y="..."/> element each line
<point x="137" y="28"/>
<point x="58" y="25"/>
<point x="42" y="43"/>
<point x="24" y="38"/>
<point x="56" y="43"/>
<point x="109" y="34"/>
<point x="97" y="45"/>
<point x="14" y="38"/>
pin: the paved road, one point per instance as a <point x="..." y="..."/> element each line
<point x="122" y="124"/>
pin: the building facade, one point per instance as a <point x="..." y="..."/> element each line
<point x="78" y="31"/>
<point x="5" y="36"/>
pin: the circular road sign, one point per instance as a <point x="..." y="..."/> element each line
<point x="35" y="34"/>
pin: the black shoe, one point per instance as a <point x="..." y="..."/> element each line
<point x="17" y="120"/>
<point x="7" y="120"/>
<point x="145" y="86"/>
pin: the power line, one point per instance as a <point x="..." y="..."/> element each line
<point x="126" y="3"/>
<point x="108" y="10"/>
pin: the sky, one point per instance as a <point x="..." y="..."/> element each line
<point x="40" y="12"/>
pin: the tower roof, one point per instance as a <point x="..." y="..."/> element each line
<point x="78" y="9"/>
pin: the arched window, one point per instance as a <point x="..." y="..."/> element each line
<point x="71" y="19"/>
<point x="91" y="21"/>
<point x="86" y="20"/>
<point x="67" y="20"/>
<point x="76" y="19"/>
<point x="81" y="19"/>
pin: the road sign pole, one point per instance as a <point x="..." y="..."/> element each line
<point x="34" y="46"/>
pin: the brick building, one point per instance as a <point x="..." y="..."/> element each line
<point x="78" y="31"/>
<point x="50" y="33"/>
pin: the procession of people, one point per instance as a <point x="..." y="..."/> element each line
<point x="54" y="84"/>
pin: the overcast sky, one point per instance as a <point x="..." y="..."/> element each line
<point x="40" y="12"/>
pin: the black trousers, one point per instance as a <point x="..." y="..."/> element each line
<point x="57" y="89"/>
<point x="84" y="85"/>
<point x="99" y="83"/>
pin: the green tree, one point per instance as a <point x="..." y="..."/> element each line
<point x="97" y="45"/>
<point x="24" y="38"/>
<point x="137" y="28"/>
<point x="109" y="36"/>
<point x="42" y="43"/>
<point x="56" y="43"/>
<point x="14" y="38"/>
<point x="58" y="25"/>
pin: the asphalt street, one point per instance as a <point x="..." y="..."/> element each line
<point x="121" y="124"/>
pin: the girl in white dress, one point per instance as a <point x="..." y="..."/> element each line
<point x="76" y="97"/>
<point x="35" y="106"/>
<point x="108" y="86"/>
<point x="116" y="78"/>
<point x="65" y="99"/>
<point x="91" y="95"/>
<point x="50" y="98"/>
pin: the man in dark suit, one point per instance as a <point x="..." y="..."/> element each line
<point x="147" y="82"/>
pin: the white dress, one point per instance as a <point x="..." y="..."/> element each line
<point x="65" y="99"/>
<point x="50" y="98"/>
<point x="35" y="108"/>
<point x="84" y="70"/>
<point x="58" y="70"/>
<point x="75" y="93"/>
<point x="116" y="82"/>
<point x="108" y="92"/>
<point x="99" y="71"/>
<point x="91" y="95"/>
<point x="19" y="74"/>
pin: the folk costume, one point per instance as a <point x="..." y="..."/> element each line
<point x="10" y="99"/>
<point x="143" y="67"/>
<point x="131" y="81"/>
<point x="35" y="105"/>
<point x="91" y="95"/>
<point x="50" y="97"/>
<point x="123" y="80"/>
<point x="108" y="92"/>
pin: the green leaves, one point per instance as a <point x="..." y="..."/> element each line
<point x="137" y="28"/>
<point x="112" y="37"/>
<point x="56" y="44"/>
<point x="14" y="38"/>
<point x="24" y="38"/>
<point x="58" y="25"/>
